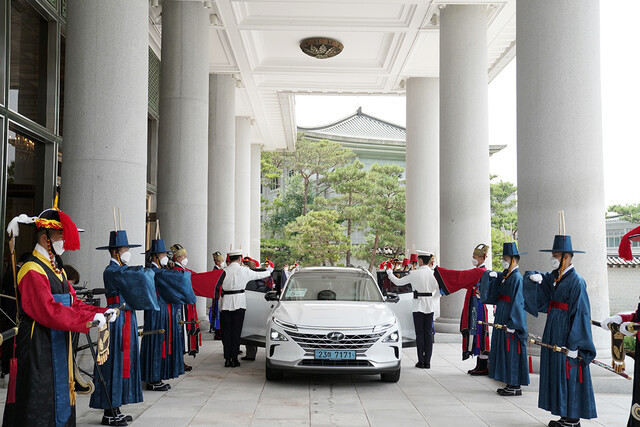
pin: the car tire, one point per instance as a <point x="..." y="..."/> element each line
<point x="391" y="377"/>
<point x="272" y="375"/>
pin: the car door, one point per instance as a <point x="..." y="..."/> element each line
<point x="403" y="310"/>
<point x="255" y="318"/>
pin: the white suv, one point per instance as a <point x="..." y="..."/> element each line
<point x="330" y="319"/>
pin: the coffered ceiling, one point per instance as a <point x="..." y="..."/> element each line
<point x="385" y="42"/>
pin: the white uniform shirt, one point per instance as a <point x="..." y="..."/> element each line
<point x="236" y="277"/>
<point x="423" y="281"/>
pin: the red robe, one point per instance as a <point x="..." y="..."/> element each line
<point x="451" y="281"/>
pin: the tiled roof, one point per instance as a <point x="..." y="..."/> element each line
<point x="614" y="261"/>
<point x="360" y="125"/>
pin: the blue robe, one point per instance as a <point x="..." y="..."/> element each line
<point x="162" y="354"/>
<point x="508" y="357"/>
<point x="133" y="286"/>
<point x="570" y="396"/>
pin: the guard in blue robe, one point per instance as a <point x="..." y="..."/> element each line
<point x="565" y="380"/>
<point x="162" y="354"/>
<point x="508" y="357"/>
<point x="133" y="286"/>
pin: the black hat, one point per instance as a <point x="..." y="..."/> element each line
<point x="562" y="243"/>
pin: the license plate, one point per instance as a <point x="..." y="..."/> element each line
<point x="335" y="354"/>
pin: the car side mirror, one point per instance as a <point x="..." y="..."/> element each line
<point x="271" y="296"/>
<point x="391" y="297"/>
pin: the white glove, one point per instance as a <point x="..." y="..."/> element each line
<point x="511" y="331"/>
<point x="101" y="319"/>
<point x="269" y="269"/>
<point x="389" y="272"/>
<point x="623" y="329"/>
<point x="572" y="354"/>
<point x="537" y="278"/>
<point x="112" y="312"/>
<point x="609" y="320"/>
<point x="493" y="274"/>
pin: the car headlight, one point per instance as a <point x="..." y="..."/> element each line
<point x="284" y="324"/>
<point x="384" y="326"/>
<point x="392" y="337"/>
<point x="277" y="336"/>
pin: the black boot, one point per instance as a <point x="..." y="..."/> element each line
<point x="119" y="414"/>
<point x="227" y="363"/>
<point x="481" y="368"/>
<point x="235" y="362"/>
<point x="112" y="419"/>
<point x="159" y="386"/>
<point x="510" y="390"/>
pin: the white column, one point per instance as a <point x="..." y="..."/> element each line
<point x="182" y="144"/>
<point x="256" y="206"/>
<point x="423" y="166"/>
<point x="222" y="164"/>
<point x="464" y="145"/>
<point x="242" y="235"/>
<point x="105" y="126"/>
<point x="560" y="149"/>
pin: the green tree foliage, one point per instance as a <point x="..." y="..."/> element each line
<point x="504" y="217"/>
<point x="350" y="184"/>
<point x="277" y="251"/>
<point x="383" y="211"/>
<point x="285" y="207"/>
<point x="317" y="238"/>
<point x="629" y="213"/>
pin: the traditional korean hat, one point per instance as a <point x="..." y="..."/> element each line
<point x="624" y="250"/>
<point x="510" y="249"/>
<point x="268" y="263"/>
<point x="562" y="241"/>
<point x="118" y="239"/>
<point x="414" y="258"/>
<point x="481" y="250"/>
<point x="157" y="246"/>
<point x="405" y="261"/>
<point x="51" y="219"/>
<point x="178" y="250"/>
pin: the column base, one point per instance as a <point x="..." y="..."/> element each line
<point x="446" y="325"/>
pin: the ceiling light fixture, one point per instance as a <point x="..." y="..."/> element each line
<point x="321" y="47"/>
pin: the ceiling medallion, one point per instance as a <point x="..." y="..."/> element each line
<point x="321" y="47"/>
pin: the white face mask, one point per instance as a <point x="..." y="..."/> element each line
<point x="58" y="247"/>
<point x="555" y="263"/>
<point x="474" y="262"/>
<point x="164" y="261"/>
<point x="285" y="269"/>
<point x="505" y="264"/>
<point x="125" y="257"/>
<point x="184" y="262"/>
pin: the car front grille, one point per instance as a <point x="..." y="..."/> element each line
<point x="313" y="362"/>
<point x="311" y="342"/>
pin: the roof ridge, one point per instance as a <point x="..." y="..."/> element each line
<point x="358" y="113"/>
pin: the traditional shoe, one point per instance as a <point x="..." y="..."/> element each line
<point x="113" y="421"/>
<point x="477" y="372"/>
<point x="159" y="386"/>
<point x="248" y="358"/>
<point x="235" y="363"/>
<point x="508" y="391"/>
<point x="187" y="368"/>
<point x="120" y="415"/>
<point x="565" y="422"/>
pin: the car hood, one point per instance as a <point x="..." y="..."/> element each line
<point x="333" y="314"/>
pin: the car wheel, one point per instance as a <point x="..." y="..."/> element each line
<point x="272" y="375"/>
<point x="391" y="377"/>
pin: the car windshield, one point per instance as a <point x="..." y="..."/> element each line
<point x="331" y="285"/>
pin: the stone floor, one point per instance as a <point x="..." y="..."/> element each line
<point x="442" y="396"/>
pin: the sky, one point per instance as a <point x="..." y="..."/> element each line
<point x="620" y="69"/>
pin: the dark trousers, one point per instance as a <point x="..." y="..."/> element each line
<point x="231" y="326"/>
<point x="423" y="323"/>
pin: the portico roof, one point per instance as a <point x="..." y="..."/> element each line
<point x="385" y="42"/>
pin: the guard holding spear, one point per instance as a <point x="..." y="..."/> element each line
<point x="565" y="379"/>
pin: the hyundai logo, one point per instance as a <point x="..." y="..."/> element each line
<point x="335" y="336"/>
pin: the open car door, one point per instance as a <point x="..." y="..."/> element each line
<point x="258" y="311"/>
<point x="403" y="309"/>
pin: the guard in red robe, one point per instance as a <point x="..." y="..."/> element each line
<point x="41" y="388"/>
<point x="475" y="338"/>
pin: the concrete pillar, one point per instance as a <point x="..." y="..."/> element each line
<point x="560" y="149"/>
<point x="242" y="235"/>
<point x="423" y="169"/>
<point x="222" y="164"/>
<point x="256" y="206"/>
<point x="105" y="127"/>
<point x="182" y="144"/>
<point x="464" y="145"/>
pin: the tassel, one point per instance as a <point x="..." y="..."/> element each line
<point x="580" y="372"/>
<point x="72" y="381"/>
<point x="13" y="371"/>
<point x="69" y="232"/>
<point x="530" y="365"/>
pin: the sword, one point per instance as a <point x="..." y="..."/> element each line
<point x="95" y="323"/>
<point x="537" y="341"/>
<point x="631" y="327"/>
<point x="145" y="333"/>
<point x="10" y="333"/>
<point x="493" y="325"/>
<point x="188" y="322"/>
